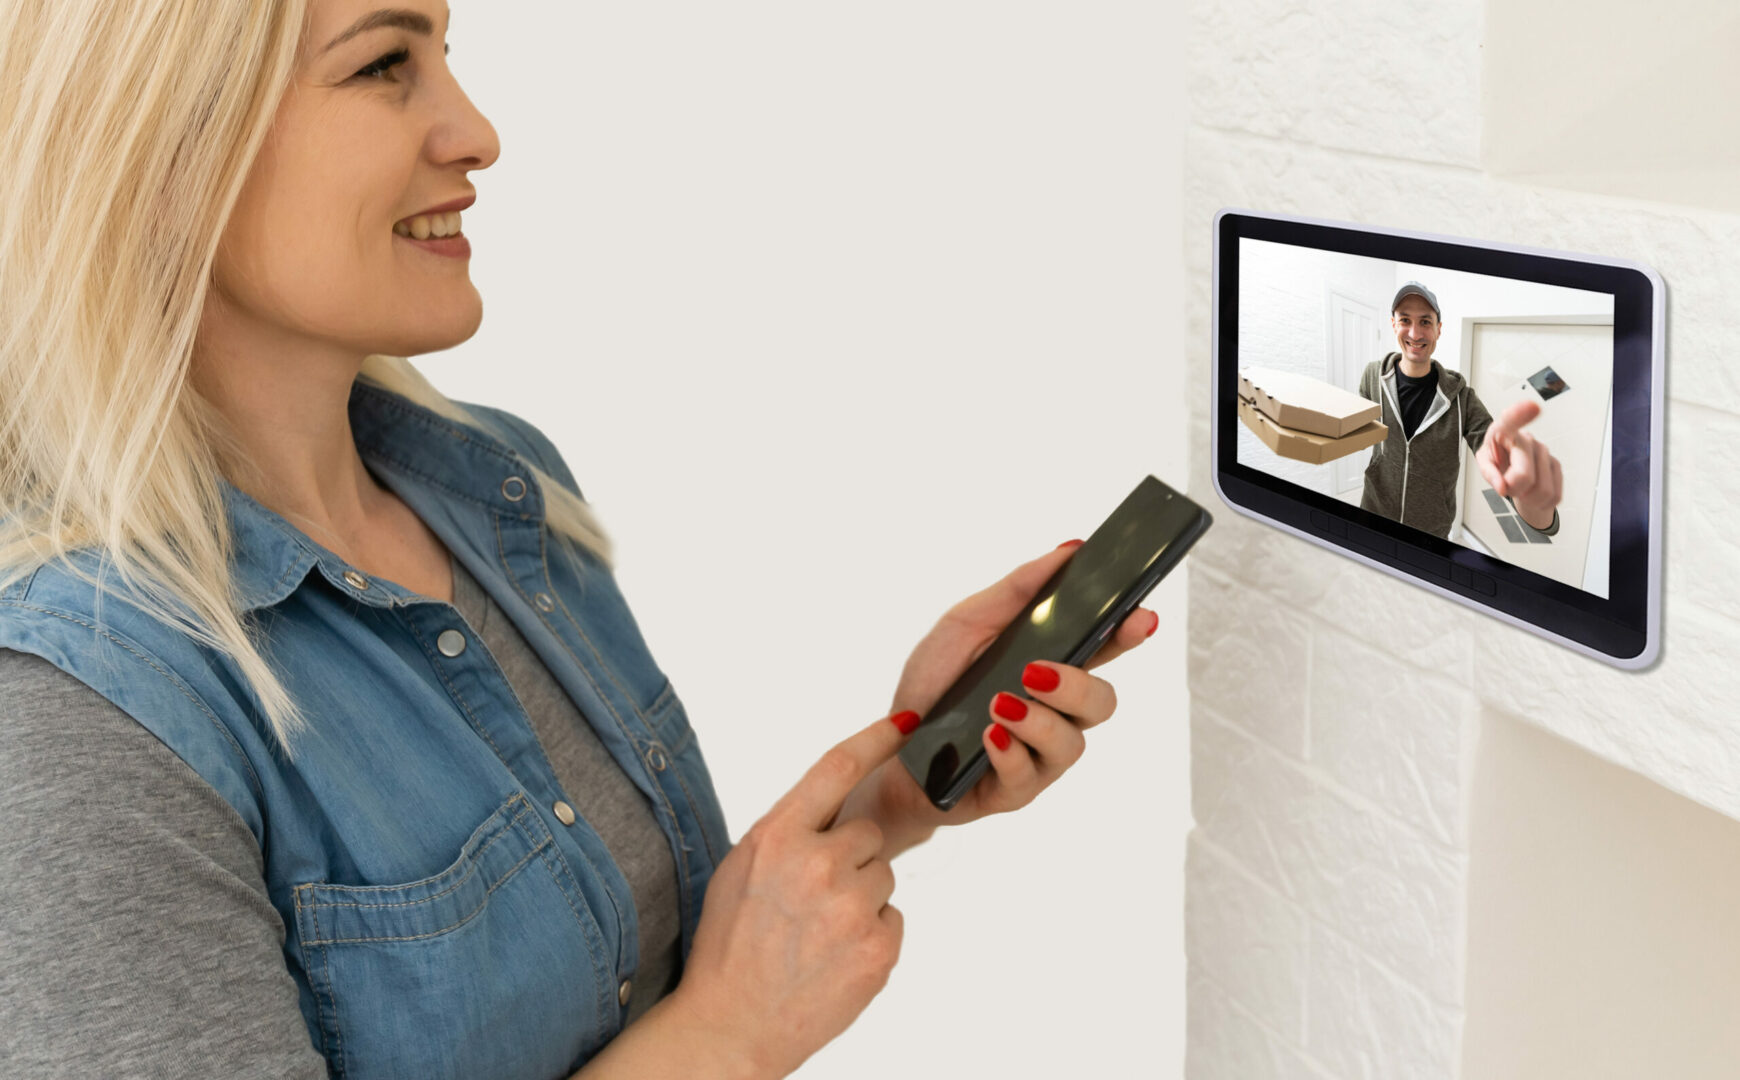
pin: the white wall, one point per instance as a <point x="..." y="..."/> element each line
<point x="1614" y="96"/>
<point x="839" y="313"/>
<point x="1601" y="921"/>
<point x="1335" y="711"/>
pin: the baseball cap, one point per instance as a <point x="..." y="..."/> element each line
<point x="1414" y="288"/>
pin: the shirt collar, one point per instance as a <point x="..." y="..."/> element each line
<point x="1392" y="370"/>
<point x="441" y="468"/>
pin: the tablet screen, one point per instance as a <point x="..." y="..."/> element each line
<point x="1441" y="358"/>
<point x="1482" y="418"/>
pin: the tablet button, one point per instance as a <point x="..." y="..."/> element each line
<point x="1338" y="527"/>
<point x="1374" y="541"/>
<point x="1320" y="520"/>
<point x="1425" y="560"/>
<point x="1461" y="575"/>
<point x="1485" y="584"/>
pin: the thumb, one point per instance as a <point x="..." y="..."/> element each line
<point x="990" y="609"/>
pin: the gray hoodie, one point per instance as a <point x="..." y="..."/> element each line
<point x="1415" y="480"/>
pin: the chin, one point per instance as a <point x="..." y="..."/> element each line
<point x="438" y="334"/>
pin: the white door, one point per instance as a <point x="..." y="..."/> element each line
<point x="1354" y="338"/>
<point x="1503" y="356"/>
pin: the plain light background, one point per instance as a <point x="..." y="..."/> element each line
<point x="839" y="313"/>
<point x="1600" y="919"/>
<point x="1558" y="81"/>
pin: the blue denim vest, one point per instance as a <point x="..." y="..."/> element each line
<point x="441" y="919"/>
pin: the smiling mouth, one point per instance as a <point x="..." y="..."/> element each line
<point x="429" y="226"/>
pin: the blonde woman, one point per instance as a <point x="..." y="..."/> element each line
<point x="328" y="746"/>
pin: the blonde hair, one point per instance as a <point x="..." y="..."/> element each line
<point x="127" y="128"/>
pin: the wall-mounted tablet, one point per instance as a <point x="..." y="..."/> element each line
<point x="1482" y="419"/>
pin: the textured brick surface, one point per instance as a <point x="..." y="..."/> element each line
<point x="1400" y="79"/>
<point x="1334" y="592"/>
<point x="1248" y="654"/>
<point x="1226" y="1043"/>
<point x="1247" y="938"/>
<point x="1366" y="1022"/>
<point x="1333" y="707"/>
<point x="1390" y="888"/>
<point x="1391" y="734"/>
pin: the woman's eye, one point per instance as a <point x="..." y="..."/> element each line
<point x="391" y="60"/>
<point x="381" y="66"/>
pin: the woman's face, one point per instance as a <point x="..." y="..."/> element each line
<point x="373" y="131"/>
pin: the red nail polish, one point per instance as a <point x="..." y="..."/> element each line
<point x="999" y="736"/>
<point x="1035" y="677"/>
<point x="1008" y="706"/>
<point x="906" y="721"/>
<point x="1070" y="543"/>
<point x="1155" y="627"/>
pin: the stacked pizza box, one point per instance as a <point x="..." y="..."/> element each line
<point x="1307" y="419"/>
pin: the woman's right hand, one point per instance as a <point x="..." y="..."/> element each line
<point x="796" y="932"/>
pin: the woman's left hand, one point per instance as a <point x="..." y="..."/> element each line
<point x="1041" y="738"/>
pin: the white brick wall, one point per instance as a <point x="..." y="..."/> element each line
<point x="1396" y="78"/>
<point x="1333" y="709"/>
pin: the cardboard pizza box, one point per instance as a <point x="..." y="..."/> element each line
<point x="1307" y="446"/>
<point x="1302" y="403"/>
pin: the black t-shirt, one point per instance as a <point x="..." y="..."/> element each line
<point x="1416" y="396"/>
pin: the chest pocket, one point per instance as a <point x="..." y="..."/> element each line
<point x="484" y="969"/>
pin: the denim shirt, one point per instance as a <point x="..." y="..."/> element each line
<point x="447" y="913"/>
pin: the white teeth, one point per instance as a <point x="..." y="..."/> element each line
<point x="423" y="226"/>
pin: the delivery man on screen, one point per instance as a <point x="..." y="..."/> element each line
<point x="1414" y="474"/>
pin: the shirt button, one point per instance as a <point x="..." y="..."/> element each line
<point x="564" y="812"/>
<point x="357" y="581"/>
<point x="624" y="990"/>
<point x="655" y="756"/>
<point x="451" y="643"/>
<point x="513" y="489"/>
<point x="544" y="602"/>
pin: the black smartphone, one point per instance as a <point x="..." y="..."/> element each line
<point x="1066" y="622"/>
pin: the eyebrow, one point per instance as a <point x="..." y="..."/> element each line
<point x="402" y="18"/>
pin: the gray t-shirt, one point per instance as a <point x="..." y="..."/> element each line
<point x="104" y="829"/>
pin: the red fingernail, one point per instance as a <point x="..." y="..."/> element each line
<point x="906" y="721"/>
<point x="1035" y="677"/>
<point x="1069" y="543"/>
<point x="1008" y="706"/>
<point x="1155" y="627"/>
<point x="999" y="736"/>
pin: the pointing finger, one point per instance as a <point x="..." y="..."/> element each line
<point x="1520" y="477"/>
<point x="816" y="798"/>
<point x="1520" y="413"/>
<point x="1491" y="460"/>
